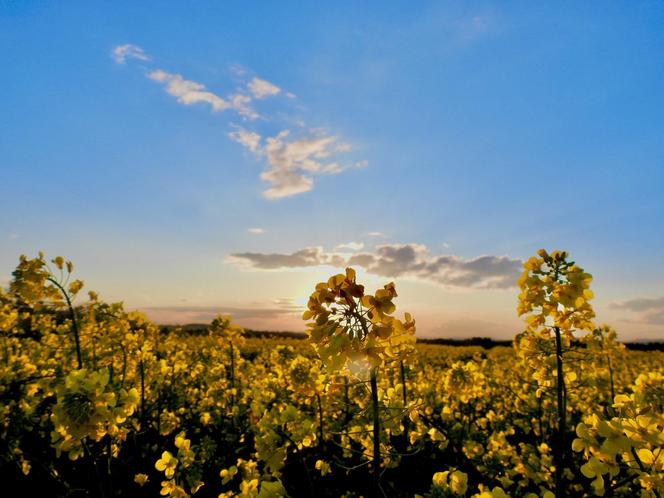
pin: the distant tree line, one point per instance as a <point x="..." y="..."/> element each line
<point x="484" y="342"/>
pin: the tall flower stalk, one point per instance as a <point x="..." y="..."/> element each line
<point x="357" y="333"/>
<point x="555" y="295"/>
<point x="36" y="284"/>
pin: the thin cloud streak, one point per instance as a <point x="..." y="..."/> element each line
<point x="260" y="88"/>
<point x="121" y="53"/>
<point x="189" y="92"/>
<point x="350" y="246"/>
<point x="277" y="310"/>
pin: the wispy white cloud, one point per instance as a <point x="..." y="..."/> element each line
<point x="238" y="70"/>
<point x="399" y="260"/>
<point x="248" y="139"/>
<point x="121" y="53"/>
<point x="292" y="162"/>
<point x="13" y="236"/>
<point x="261" y="89"/>
<point x="350" y="246"/>
<point x="189" y="92"/>
<point x="241" y="103"/>
<point x="376" y="234"/>
<point x="256" y="231"/>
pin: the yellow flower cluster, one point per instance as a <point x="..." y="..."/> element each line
<point x="465" y="380"/>
<point x="87" y="407"/>
<point x="555" y="292"/>
<point x="305" y="377"/>
<point x="163" y="410"/>
<point x="351" y="328"/>
<point x="454" y="481"/>
<point x="629" y="446"/>
<point x="222" y="326"/>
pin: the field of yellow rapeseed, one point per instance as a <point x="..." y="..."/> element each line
<point x="98" y="401"/>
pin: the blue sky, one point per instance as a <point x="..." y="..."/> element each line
<point x="144" y="141"/>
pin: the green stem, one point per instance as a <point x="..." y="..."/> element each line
<point x="320" y="421"/>
<point x="539" y="418"/>
<point x="346" y="403"/>
<point x="562" y="419"/>
<point x="6" y="343"/>
<point x="142" y="372"/>
<point x="642" y="468"/>
<point x="93" y="461"/>
<point x="376" y="430"/>
<point x="232" y="374"/>
<point x="613" y="392"/>
<point x="124" y="364"/>
<point x="74" y="320"/>
<point x="404" y="392"/>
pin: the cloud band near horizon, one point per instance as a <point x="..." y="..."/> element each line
<point x="411" y="261"/>
<point x="649" y="310"/>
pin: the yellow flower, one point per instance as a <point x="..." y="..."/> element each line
<point x="141" y="479"/>
<point x="323" y="467"/>
<point x="228" y="474"/>
<point x="167" y="464"/>
<point x="170" y="488"/>
<point x="248" y="487"/>
<point x="181" y="443"/>
<point x="454" y="481"/>
<point x="75" y="286"/>
<point x="356" y="330"/>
